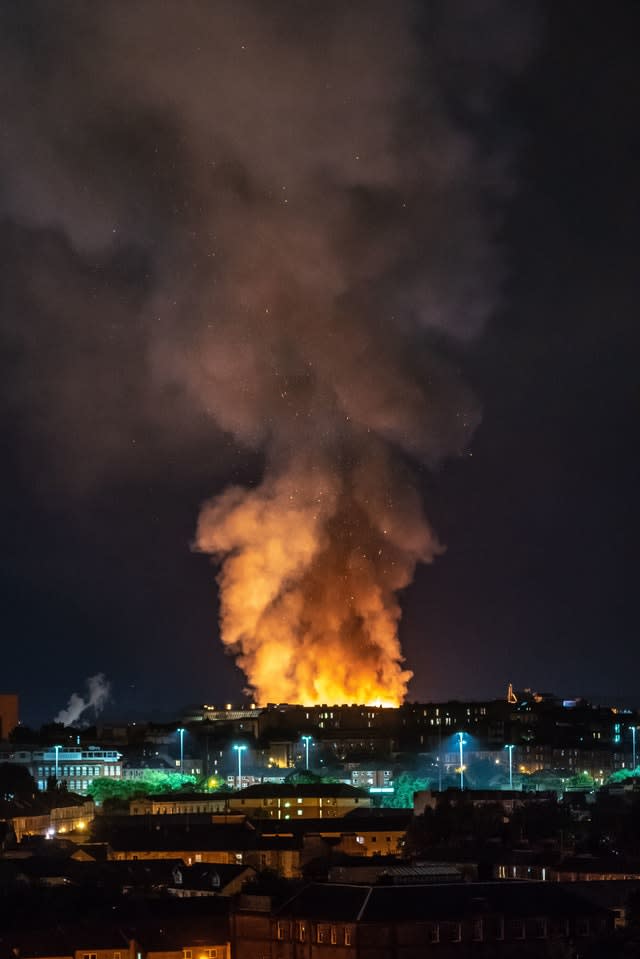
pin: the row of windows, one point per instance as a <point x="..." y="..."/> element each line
<point x="324" y="933"/>
<point x="480" y="931"/>
<point x="69" y="770"/>
<point x="73" y="785"/>
<point x="362" y="839"/>
<point x="79" y="771"/>
<point x="187" y="954"/>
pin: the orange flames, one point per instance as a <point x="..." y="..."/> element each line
<point x="312" y="562"/>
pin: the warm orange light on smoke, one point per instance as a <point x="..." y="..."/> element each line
<point x="312" y="562"/>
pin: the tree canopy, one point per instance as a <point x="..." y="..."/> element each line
<point x="404" y="786"/>
<point x="16" y="782"/>
<point x="151" y="783"/>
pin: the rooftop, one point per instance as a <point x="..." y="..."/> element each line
<point x="350" y="903"/>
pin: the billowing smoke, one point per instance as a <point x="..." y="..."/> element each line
<point x="308" y="191"/>
<point x="97" y="695"/>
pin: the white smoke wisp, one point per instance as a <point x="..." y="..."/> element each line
<point x="98" y="690"/>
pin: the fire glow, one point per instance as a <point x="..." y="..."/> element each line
<point x="311" y="567"/>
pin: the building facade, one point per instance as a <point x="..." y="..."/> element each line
<point x="75" y="767"/>
<point x="490" y="919"/>
<point x="8" y="714"/>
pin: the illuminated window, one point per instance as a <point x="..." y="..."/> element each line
<point x="347" y="937"/>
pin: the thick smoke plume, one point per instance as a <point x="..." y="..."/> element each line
<point x="98" y="690"/>
<point x="300" y="192"/>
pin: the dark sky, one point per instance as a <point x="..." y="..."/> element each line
<point x="538" y="583"/>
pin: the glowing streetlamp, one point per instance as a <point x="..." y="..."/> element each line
<point x="510" y="747"/>
<point x="461" y="744"/>
<point x="180" y="731"/>
<point x="57" y="751"/>
<point x="306" y="740"/>
<point x="633" y="740"/>
<point x="240" y="749"/>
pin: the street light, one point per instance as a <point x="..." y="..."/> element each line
<point x="306" y="740"/>
<point x="461" y="744"/>
<point x="239" y="749"/>
<point x="510" y="747"/>
<point x="180" y="730"/>
<point x="57" y="750"/>
<point x="633" y="739"/>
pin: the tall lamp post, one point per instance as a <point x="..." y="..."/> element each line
<point x="57" y="751"/>
<point x="240" y="749"/>
<point x="633" y="740"/>
<point x="510" y="747"/>
<point x="180" y="731"/>
<point x="461" y="745"/>
<point x="306" y="740"/>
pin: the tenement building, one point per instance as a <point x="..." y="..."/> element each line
<point x="391" y="922"/>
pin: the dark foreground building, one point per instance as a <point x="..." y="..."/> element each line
<point x="410" y="922"/>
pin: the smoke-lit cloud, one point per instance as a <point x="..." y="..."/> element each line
<point x="98" y="690"/>
<point x="270" y="222"/>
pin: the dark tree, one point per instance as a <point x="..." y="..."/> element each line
<point x="16" y="782"/>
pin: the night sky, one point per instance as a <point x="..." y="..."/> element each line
<point x="106" y="463"/>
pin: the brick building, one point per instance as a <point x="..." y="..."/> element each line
<point x="8" y="714"/>
<point x="409" y="922"/>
